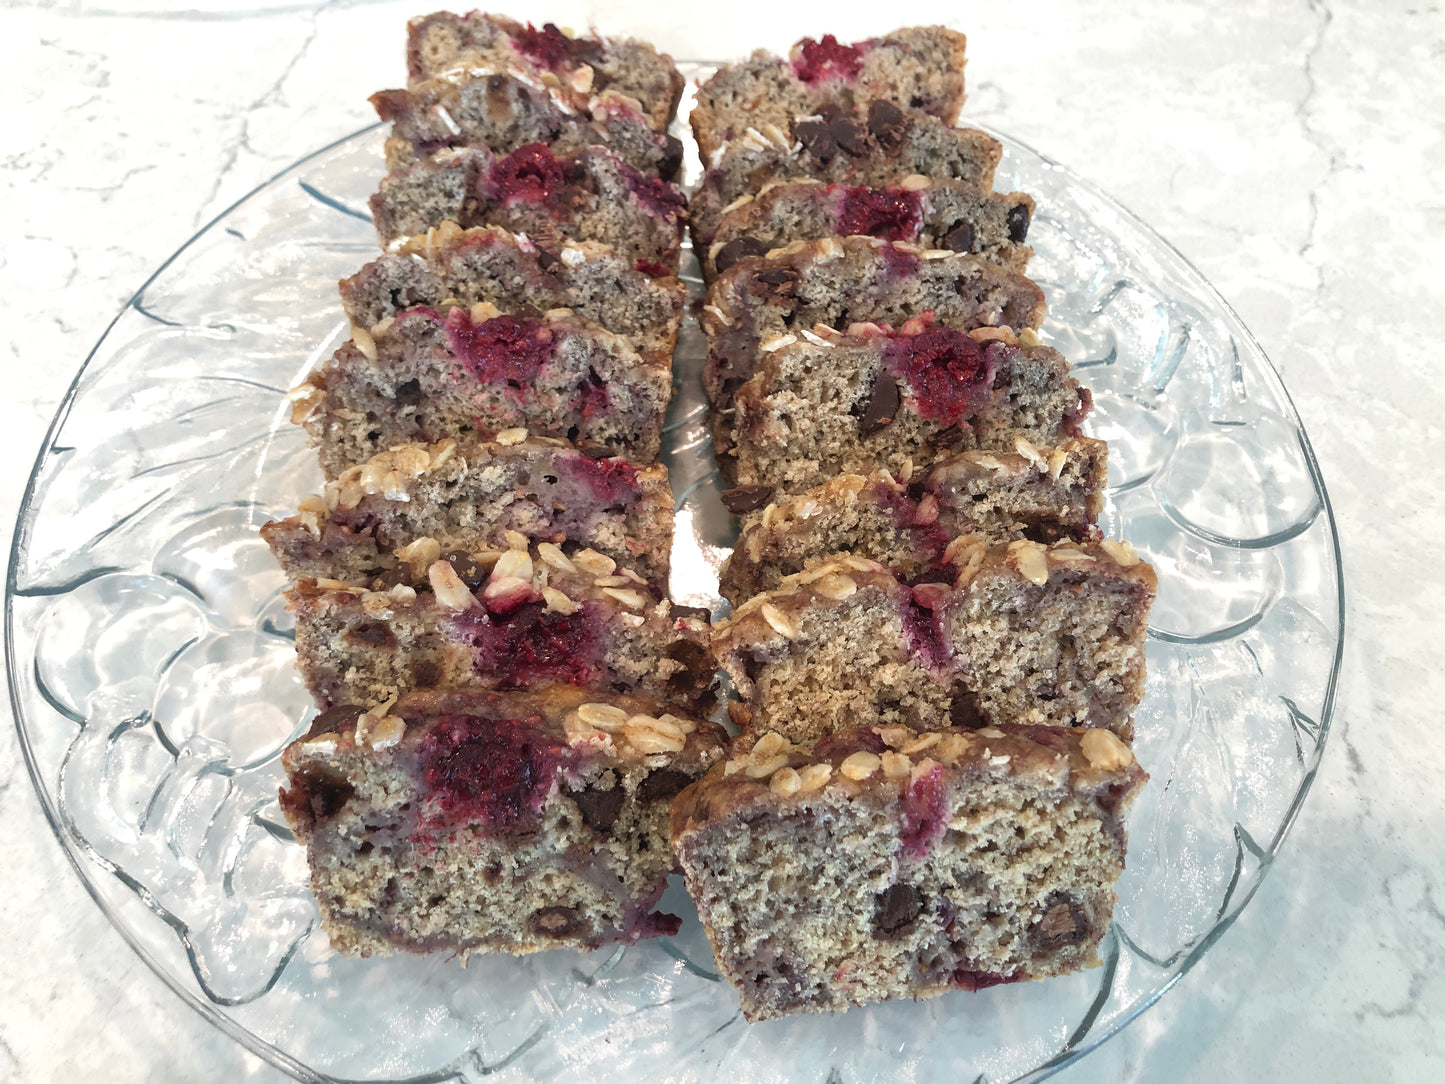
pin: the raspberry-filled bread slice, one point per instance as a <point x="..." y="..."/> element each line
<point x="512" y="619"/>
<point x="490" y="264"/>
<point x="907" y="523"/>
<point x="828" y="403"/>
<point x="759" y="302"/>
<point x="580" y="65"/>
<point x="474" y="108"/>
<point x="918" y="68"/>
<point x="472" y="374"/>
<point x="545" y="490"/>
<point x="1025" y="633"/>
<point x="873" y="146"/>
<point x="971" y="859"/>
<point x="947" y="215"/>
<point x="474" y="821"/>
<point x="590" y="195"/>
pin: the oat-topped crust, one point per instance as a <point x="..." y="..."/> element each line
<point x="918" y="68"/>
<point x="875" y="764"/>
<point x="450" y="265"/>
<point x="573" y="64"/>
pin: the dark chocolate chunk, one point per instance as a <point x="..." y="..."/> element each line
<point x="887" y="124"/>
<point x="373" y="634"/>
<point x="547" y="260"/>
<point x="388" y="578"/>
<point x="830" y="112"/>
<point x="817" y="139"/>
<point x="467" y="570"/>
<point x="960" y="238"/>
<point x="555" y="922"/>
<point x="963" y="708"/>
<point x="848" y="134"/>
<point x="739" y="248"/>
<point x="409" y="394"/>
<point x="882" y="405"/>
<point x="671" y="158"/>
<point x="782" y="281"/>
<point x="663" y="783"/>
<point x="698" y="667"/>
<point x="1018" y="223"/>
<point x="599" y="808"/>
<point x="425" y="674"/>
<point x="895" y="909"/>
<point x="1064" y="923"/>
<point x="335" y="720"/>
<point x="746" y="498"/>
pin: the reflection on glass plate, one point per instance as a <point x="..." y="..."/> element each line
<point x="150" y="662"/>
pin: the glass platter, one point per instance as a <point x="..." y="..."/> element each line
<point x="150" y="662"/>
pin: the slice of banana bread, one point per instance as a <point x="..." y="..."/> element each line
<point x="883" y="864"/>
<point x="876" y="146"/>
<point x="491" y="264"/>
<point x="947" y="215"/>
<point x="473" y="821"/>
<point x="1044" y="494"/>
<point x="475" y="107"/>
<point x="760" y="301"/>
<point x="546" y="490"/>
<point x="584" y="65"/>
<point x="918" y="68"/>
<point x="512" y="619"/>
<point x="1025" y="633"/>
<point x="823" y="403"/>
<point x="469" y="375"/>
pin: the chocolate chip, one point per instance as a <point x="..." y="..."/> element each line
<point x="887" y="124"/>
<point x="677" y="611"/>
<point x="373" y="634"/>
<point x="739" y="248"/>
<point x="671" y="158"/>
<point x="467" y="570"/>
<point x="817" y="139"/>
<point x="388" y="578"/>
<point x="830" y="112"/>
<point x="848" y="134"/>
<point x="335" y="720"/>
<point x="746" y="498"/>
<point x="882" y="405"/>
<point x="1064" y="923"/>
<point x="593" y="450"/>
<point x="555" y="922"/>
<point x="425" y="674"/>
<point x="323" y="796"/>
<point x="781" y="281"/>
<point x="1018" y="223"/>
<point x="960" y="238"/>
<point x="547" y="260"/>
<point x="409" y="394"/>
<point x="663" y="783"/>
<point x="599" y="808"/>
<point x="895" y="909"/>
<point x="963" y="709"/>
<point x="697" y="665"/>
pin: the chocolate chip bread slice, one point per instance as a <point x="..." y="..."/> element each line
<point x="519" y="618"/>
<point x="472" y="821"/>
<point x="589" y="195"/>
<point x="874" y="146"/>
<point x="1044" y="494"/>
<point x="883" y="864"/>
<point x="1026" y="633"/>
<point x="546" y="490"/>
<point x="758" y="302"/>
<point x="490" y="264"/>
<point x="582" y="65"/>
<point x="946" y="215"/>
<point x="918" y="68"/>
<point x="473" y="374"/>
<point x="476" y="108"/>
<point x="823" y="403"/>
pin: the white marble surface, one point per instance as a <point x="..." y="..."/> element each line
<point x="1292" y="150"/>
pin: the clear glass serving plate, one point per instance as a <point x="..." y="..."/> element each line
<point x="150" y="661"/>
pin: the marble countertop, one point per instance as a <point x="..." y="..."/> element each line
<point x="1291" y="150"/>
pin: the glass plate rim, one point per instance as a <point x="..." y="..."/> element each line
<point x="1070" y="1052"/>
